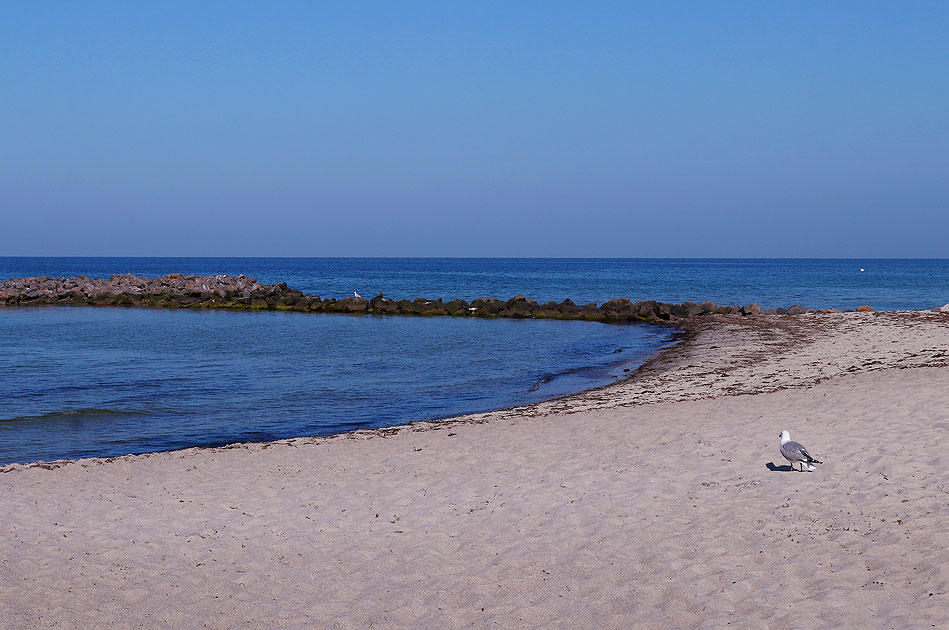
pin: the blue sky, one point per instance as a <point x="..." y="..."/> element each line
<point x="475" y="129"/>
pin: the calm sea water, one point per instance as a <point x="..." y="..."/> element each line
<point x="78" y="382"/>
<point x="839" y="283"/>
<point x="81" y="382"/>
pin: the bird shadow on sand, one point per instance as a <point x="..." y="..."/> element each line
<point x="770" y="466"/>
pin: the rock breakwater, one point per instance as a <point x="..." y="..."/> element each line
<point x="245" y="293"/>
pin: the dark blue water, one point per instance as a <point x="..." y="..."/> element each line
<point x="838" y="283"/>
<point x="81" y="382"/>
<point x="78" y="382"/>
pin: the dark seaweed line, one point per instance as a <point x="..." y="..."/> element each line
<point x="242" y="293"/>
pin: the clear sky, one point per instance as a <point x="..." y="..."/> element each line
<point x="475" y="128"/>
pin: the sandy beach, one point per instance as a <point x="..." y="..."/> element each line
<point x="658" y="502"/>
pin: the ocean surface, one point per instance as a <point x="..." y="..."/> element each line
<point x="79" y="382"/>
<point x="815" y="283"/>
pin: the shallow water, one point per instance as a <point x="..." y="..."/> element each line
<point x="81" y="382"/>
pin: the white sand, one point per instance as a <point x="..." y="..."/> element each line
<point x="617" y="515"/>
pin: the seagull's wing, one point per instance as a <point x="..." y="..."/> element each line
<point x="788" y="453"/>
<point x="809" y="457"/>
<point x="795" y="451"/>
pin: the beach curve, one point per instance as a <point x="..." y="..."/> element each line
<point x="647" y="503"/>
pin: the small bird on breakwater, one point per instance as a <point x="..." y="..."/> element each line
<point x="795" y="452"/>
<point x="356" y="294"/>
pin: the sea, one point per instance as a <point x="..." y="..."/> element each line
<point x="99" y="382"/>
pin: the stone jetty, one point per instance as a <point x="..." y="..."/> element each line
<point x="245" y="293"/>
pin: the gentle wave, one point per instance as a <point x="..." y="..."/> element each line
<point x="546" y="378"/>
<point x="593" y="372"/>
<point x="73" y="414"/>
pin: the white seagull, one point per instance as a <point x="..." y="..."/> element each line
<point x="795" y="452"/>
<point x="356" y="294"/>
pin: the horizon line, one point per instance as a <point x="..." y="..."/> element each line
<point x="139" y="257"/>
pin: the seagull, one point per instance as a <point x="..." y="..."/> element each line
<point x="356" y="294"/>
<point x="795" y="452"/>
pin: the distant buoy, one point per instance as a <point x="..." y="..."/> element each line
<point x="861" y="268"/>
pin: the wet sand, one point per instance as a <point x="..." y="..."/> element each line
<point x="661" y="501"/>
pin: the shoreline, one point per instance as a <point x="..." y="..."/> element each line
<point x="765" y="343"/>
<point x="611" y="348"/>
<point x="673" y="329"/>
